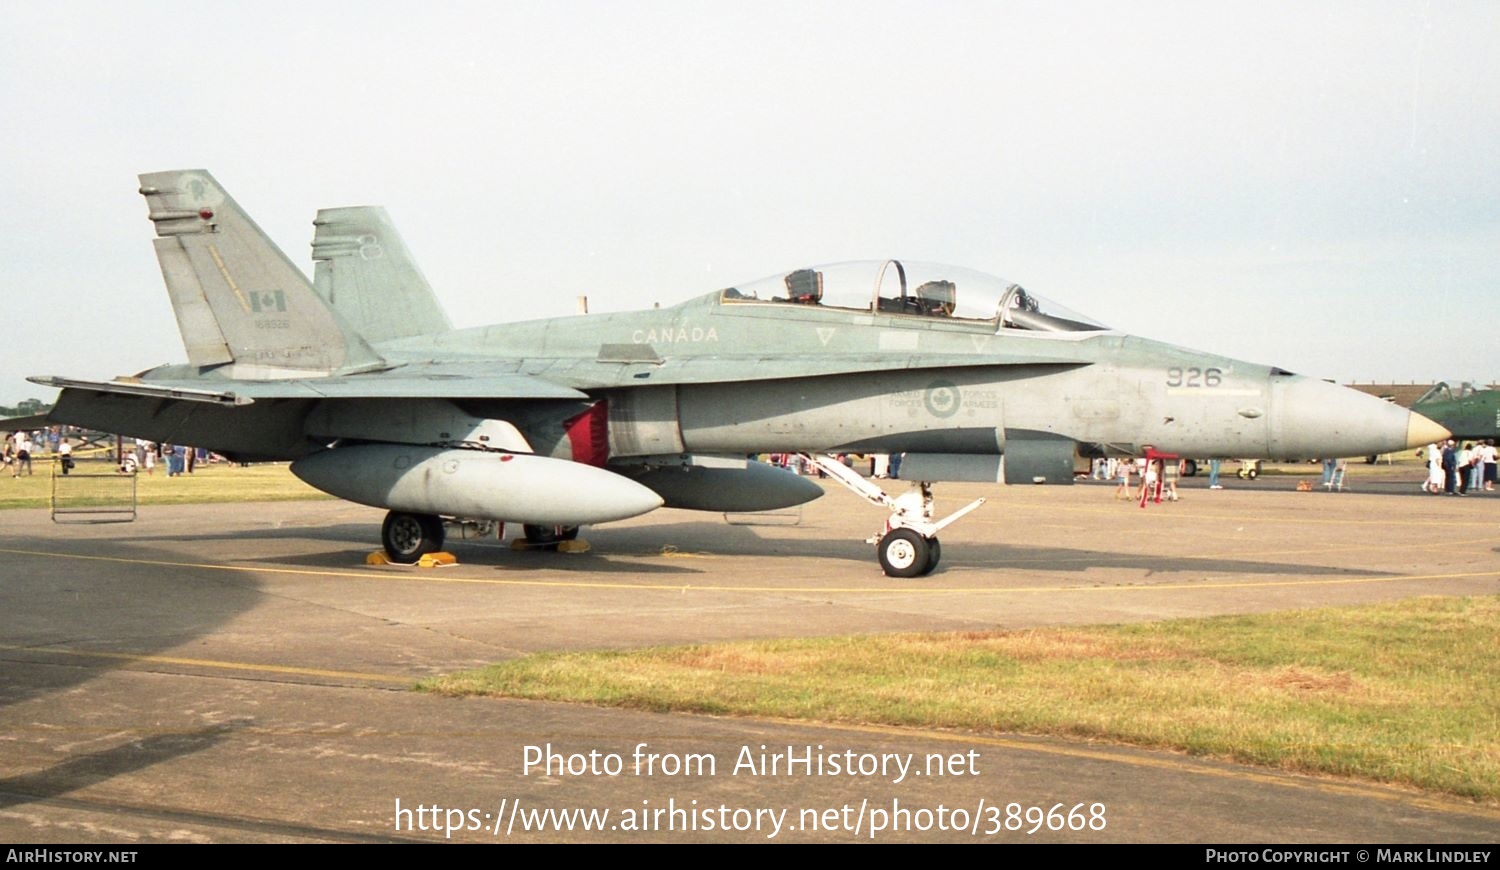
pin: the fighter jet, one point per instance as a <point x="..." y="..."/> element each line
<point x="359" y="380"/>
<point x="1467" y="410"/>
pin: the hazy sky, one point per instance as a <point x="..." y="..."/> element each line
<point x="1311" y="185"/>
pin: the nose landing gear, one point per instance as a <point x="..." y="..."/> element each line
<point x="908" y="546"/>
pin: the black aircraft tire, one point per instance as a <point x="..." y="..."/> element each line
<point x="1189" y="467"/>
<point x="408" y="537"/>
<point x="548" y="537"/>
<point x="934" y="555"/>
<point x="903" y="553"/>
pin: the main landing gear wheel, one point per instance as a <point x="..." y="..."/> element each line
<point x="548" y="537"/>
<point x="409" y="537"/>
<point x="905" y="553"/>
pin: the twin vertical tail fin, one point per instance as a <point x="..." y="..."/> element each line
<point x="364" y="271"/>
<point x="239" y="301"/>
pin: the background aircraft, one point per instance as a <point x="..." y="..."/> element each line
<point x="362" y="383"/>
<point x="1465" y="410"/>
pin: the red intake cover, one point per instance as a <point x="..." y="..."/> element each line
<point x="588" y="433"/>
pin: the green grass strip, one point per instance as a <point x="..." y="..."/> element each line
<point x="1405" y="693"/>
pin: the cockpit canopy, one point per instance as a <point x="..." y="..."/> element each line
<point x="913" y="289"/>
<point x="1443" y="392"/>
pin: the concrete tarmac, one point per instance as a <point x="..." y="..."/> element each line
<point x="236" y="673"/>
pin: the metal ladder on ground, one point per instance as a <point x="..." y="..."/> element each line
<point x="108" y="497"/>
<point x="1336" y="482"/>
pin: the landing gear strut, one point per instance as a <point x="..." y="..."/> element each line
<point x="908" y="547"/>
<point x="408" y="537"/>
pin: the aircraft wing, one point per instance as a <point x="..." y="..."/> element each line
<point x="559" y="378"/>
<point x="266" y="420"/>
<point x="24" y="424"/>
<point x="631" y="365"/>
<point x="439" y="384"/>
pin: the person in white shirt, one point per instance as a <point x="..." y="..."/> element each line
<point x="1434" y="482"/>
<point x="23" y="453"/>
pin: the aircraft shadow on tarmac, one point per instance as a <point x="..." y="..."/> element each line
<point x="80" y="771"/>
<point x="361" y="534"/>
<point x="472" y="552"/>
<point x="737" y="541"/>
<point x="66" y="621"/>
<point x="629" y="549"/>
<point x="1064" y="560"/>
<point x="494" y="556"/>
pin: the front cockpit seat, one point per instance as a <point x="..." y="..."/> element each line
<point x="937" y="298"/>
<point x="805" y="287"/>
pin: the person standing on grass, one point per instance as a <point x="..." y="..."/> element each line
<point x="23" y="453"/>
<point x="173" y="455"/>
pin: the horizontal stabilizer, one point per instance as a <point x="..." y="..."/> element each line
<point x="135" y="387"/>
<point x="24" y="424"/>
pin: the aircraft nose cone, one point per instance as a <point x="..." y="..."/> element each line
<point x="1318" y="420"/>
<point x="1421" y="431"/>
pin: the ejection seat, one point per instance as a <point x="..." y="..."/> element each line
<point x="805" y="287"/>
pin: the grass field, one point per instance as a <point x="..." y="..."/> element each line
<point x="209" y="483"/>
<point x="1405" y="693"/>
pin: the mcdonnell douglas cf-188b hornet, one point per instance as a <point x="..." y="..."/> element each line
<point x="359" y="380"/>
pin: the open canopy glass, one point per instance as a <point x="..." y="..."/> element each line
<point x="916" y="289"/>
